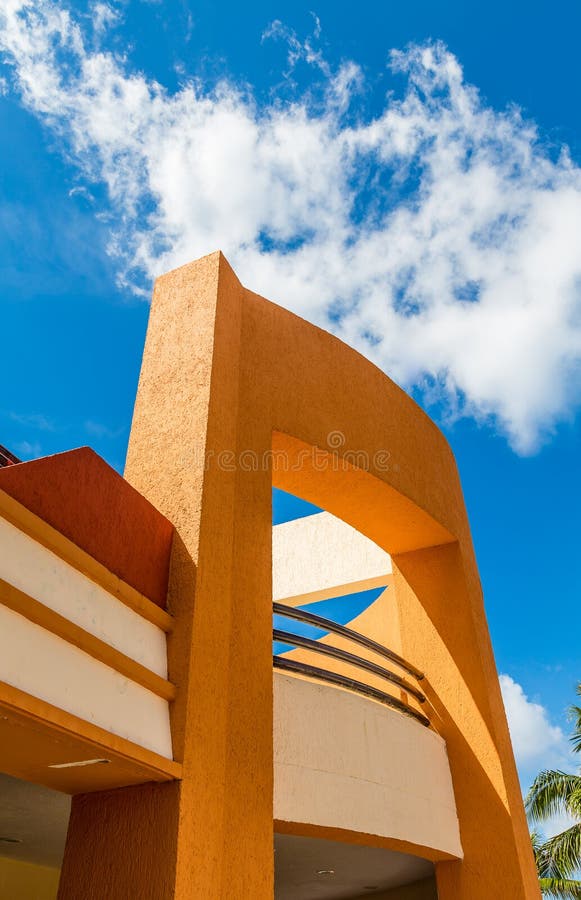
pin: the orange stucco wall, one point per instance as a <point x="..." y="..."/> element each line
<point x="122" y="844"/>
<point x="226" y="371"/>
<point x="219" y="592"/>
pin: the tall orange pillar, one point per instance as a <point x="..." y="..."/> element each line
<point x="213" y="837"/>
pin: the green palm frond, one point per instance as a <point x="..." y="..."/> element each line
<point x="558" y="859"/>
<point x="550" y="793"/>
<point x="560" y="888"/>
<point x="574" y="804"/>
<point x="537" y="840"/>
<point x="560" y="856"/>
<point x="575" y="716"/>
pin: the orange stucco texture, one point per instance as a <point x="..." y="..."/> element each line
<point x="81" y="496"/>
<point x="228" y="372"/>
<point x="102" y="862"/>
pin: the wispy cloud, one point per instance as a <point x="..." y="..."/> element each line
<point x="440" y="237"/>
<point x="81" y="191"/>
<point x="33" y="420"/>
<point x="28" y="449"/>
<point x="305" y="50"/>
<point x="104" y="17"/>
<point x="99" y="430"/>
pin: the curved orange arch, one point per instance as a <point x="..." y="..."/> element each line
<point x="236" y="394"/>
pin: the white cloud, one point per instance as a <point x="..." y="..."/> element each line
<point x="439" y="237"/>
<point x="536" y="742"/>
<point x="104" y="17"/>
<point x="537" y="745"/>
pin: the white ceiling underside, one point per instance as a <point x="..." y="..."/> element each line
<point x="358" y="870"/>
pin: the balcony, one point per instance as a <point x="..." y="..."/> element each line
<point x="364" y="688"/>
<point x="363" y="800"/>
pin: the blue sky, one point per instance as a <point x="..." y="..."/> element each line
<point x="443" y="194"/>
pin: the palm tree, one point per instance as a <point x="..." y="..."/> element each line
<point x="558" y="859"/>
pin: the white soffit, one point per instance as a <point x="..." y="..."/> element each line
<point x="320" y="552"/>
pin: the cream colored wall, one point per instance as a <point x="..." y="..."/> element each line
<point x="25" y="881"/>
<point x="321" y="551"/>
<point x="54" y="669"/>
<point x="34" y="569"/>
<point x="343" y="761"/>
<point x="38" y="662"/>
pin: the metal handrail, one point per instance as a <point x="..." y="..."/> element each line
<point x="297" y="640"/>
<point x="306" y="643"/>
<point x="292" y="665"/>
<point x="301" y="615"/>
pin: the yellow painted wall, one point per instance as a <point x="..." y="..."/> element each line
<point x="25" y="881"/>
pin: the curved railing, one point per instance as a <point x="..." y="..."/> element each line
<point x="352" y="659"/>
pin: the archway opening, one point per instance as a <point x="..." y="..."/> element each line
<point x="352" y="737"/>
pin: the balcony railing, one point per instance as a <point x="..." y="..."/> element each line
<point x="352" y="659"/>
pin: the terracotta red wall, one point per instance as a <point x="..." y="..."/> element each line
<point x="81" y="496"/>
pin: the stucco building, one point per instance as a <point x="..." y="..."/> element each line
<point x="137" y="671"/>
